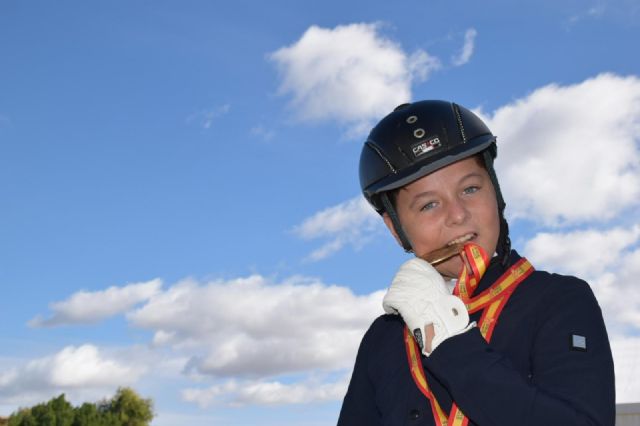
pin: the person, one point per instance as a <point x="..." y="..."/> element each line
<point x="509" y="344"/>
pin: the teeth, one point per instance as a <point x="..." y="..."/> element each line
<point x="462" y="239"/>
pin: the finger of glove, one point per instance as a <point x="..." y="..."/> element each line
<point x="411" y="312"/>
<point x="417" y="275"/>
<point x="389" y="305"/>
<point x="395" y="299"/>
<point x="399" y="302"/>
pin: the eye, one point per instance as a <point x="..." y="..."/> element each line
<point x="428" y="206"/>
<point x="471" y="189"/>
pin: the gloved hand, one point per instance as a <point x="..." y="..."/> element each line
<point x="418" y="293"/>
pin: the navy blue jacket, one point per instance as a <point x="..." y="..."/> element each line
<point x="535" y="371"/>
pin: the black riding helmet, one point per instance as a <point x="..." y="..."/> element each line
<point x="417" y="139"/>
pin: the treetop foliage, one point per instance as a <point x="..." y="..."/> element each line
<point x="126" y="408"/>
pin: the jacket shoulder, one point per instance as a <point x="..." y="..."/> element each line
<point x="561" y="287"/>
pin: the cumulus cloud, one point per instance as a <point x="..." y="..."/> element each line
<point x="90" y="307"/>
<point x="250" y="331"/>
<point x="254" y="327"/>
<point x="73" y="369"/>
<point x="267" y="393"/>
<point x="351" y="74"/>
<point x="467" y="49"/>
<point x="245" y="335"/>
<point x="586" y="253"/>
<point x="569" y="154"/>
<point x="619" y="295"/>
<point x="352" y="222"/>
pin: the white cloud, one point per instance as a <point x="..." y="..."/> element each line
<point x="351" y="74"/>
<point x="619" y="293"/>
<point x="353" y="222"/>
<point x="254" y="327"/>
<point x="420" y="65"/>
<point x="89" y="307"/>
<point x="569" y="154"/>
<point x="267" y="393"/>
<point x="338" y="219"/>
<point x="245" y="334"/>
<point x="587" y="253"/>
<point x="467" y="49"/>
<point x="73" y="370"/>
<point x="83" y="366"/>
<point x="251" y="331"/>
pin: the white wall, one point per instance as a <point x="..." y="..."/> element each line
<point x="628" y="414"/>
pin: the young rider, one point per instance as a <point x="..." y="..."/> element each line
<point x="512" y="345"/>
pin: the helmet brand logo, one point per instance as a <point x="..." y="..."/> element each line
<point x="425" y="146"/>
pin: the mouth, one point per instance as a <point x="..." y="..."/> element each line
<point x="453" y="248"/>
<point x="463" y="239"/>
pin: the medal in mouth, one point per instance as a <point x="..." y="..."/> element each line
<point x="453" y="248"/>
<point x="444" y="253"/>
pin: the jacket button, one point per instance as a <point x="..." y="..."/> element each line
<point x="414" y="414"/>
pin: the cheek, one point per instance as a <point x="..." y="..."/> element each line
<point x="425" y="235"/>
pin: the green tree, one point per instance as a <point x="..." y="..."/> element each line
<point x="62" y="410"/>
<point x="44" y="415"/>
<point x="86" y="415"/>
<point x="126" y="408"/>
<point x="130" y="408"/>
<point x="22" y="418"/>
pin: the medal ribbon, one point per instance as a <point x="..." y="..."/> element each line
<point x="491" y="301"/>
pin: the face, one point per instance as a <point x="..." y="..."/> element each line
<point x="454" y="204"/>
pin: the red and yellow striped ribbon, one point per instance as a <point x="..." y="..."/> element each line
<point x="491" y="301"/>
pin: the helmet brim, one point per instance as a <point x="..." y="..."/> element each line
<point x="417" y="171"/>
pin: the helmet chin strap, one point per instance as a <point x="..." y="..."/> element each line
<point x="397" y="226"/>
<point x="504" y="242"/>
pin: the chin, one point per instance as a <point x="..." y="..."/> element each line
<point x="451" y="268"/>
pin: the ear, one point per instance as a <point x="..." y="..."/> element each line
<point x="392" y="229"/>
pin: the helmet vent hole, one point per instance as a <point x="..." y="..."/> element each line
<point x="419" y="133"/>
<point x="412" y="119"/>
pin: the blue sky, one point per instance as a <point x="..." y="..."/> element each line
<point x="180" y="198"/>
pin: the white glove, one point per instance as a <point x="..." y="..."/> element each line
<point x="418" y="293"/>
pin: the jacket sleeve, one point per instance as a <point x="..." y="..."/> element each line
<point x="565" y="385"/>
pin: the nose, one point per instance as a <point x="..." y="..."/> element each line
<point x="457" y="212"/>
